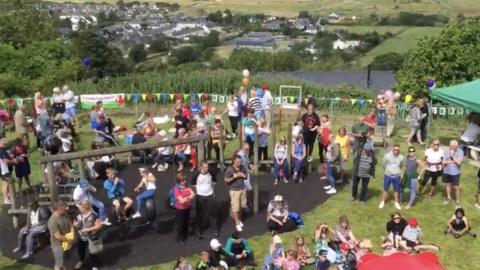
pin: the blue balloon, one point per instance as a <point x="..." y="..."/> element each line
<point x="430" y="84"/>
<point x="86" y="61"/>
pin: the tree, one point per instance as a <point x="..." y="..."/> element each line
<point x="158" y="45"/>
<point x="304" y="14"/>
<point x="183" y="55"/>
<point x="449" y="58"/>
<point x="138" y="53"/>
<point x="388" y="61"/>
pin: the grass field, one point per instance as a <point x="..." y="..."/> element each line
<point x="368" y="221"/>
<point x="403" y="42"/>
<point x="341" y="7"/>
<point x="225" y="51"/>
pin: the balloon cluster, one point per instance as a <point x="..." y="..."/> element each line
<point x="391" y="96"/>
<point x="246" y="75"/>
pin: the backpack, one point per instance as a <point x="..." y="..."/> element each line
<point x="171" y="196"/>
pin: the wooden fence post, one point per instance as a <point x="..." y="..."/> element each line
<point x="240" y="133"/>
<point x="289" y="144"/>
<point x="11" y="186"/>
<point x="273" y="131"/>
<point x="52" y="185"/>
<point x="201" y="151"/>
<point x="221" y="145"/>
<point x="81" y="169"/>
<point x="255" y="173"/>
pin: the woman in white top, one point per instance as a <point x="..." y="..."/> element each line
<point x="434" y="168"/>
<point x="233" y="114"/>
<point x="148" y="184"/>
<point x="280" y="164"/>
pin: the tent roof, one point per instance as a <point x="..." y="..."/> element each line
<point x="466" y="95"/>
<point x="401" y="261"/>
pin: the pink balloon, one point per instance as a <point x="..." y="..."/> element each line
<point x="397" y="95"/>
<point x="388" y="94"/>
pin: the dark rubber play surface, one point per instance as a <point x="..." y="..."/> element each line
<point x="130" y="245"/>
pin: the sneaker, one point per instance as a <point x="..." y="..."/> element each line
<point x="327" y="187"/>
<point x="331" y="191"/>
<point x="295" y="175"/>
<point x="106" y="222"/>
<point x="239" y="228"/>
<point x="309" y="159"/>
<point x="154" y="166"/>
<point x="241" y="224"/>
<point x="94" y="268"/>
<point x="323" y="178"/>
<point x="300" y="180"/>
<point x="165" y="166"/>
<point x="285" y="180"/>
<point x="161" y="168"/>
<point x="397" y="205"/>
<point x="275" y="182"/>
<point x="78" y="265"/>
<point x="7" y="201"/>
<point x="353" y="199"/>
<point x="477" y="205"/>
<point x="446" y="202"/>
<point x="137" y="215"/>
<point x="26" y="256"/>
<point x="381" y="205"/>
<point x="15" y="250"/>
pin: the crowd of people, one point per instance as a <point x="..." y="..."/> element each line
<point x="250" y="117"/>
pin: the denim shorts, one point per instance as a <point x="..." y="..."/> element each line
<point x="391" y="179"/>
<point x="72" y="111"/>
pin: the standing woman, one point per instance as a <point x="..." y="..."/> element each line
<point x="280" y="165"/>
<point x="88" y="225"/>
<point x="414" y="119"/>
<point x="39" y="103"/>
<point x="184" y="196"/>
<point x="150" y="187"/>
<point x="58" y="103"/>
<point x="344" y="141"/>
<point x="410" y="178"/>
<point x="22" y="167"/>
<point x="365" y="170"/>
<point x="233" y="114"/>
<point x="298" y="155"/>
<point x="311" y="123"/>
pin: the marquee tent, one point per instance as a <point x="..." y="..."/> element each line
<point x="400" y="261"/>
<point x="466" y="95"/>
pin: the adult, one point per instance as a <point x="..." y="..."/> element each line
<point x="88" y="225"/>
<point x="425" y="111"/>
<point x="115" y="188"/>
<point x="391" y="113"/>
<point x="413" y="166"/>
<point x="58" y="103"/>
<point x="366" y="170"/>
<point x="45" y="126"/>
<point x="203" y="182"/>
<point x="147" y="189"/>
<point x="452" y="162"/>
<point x="434" y="166"/>
<point x="35" y="225"/>
<point x="471" y="132"/>
<point x="5" y="170"/>
<point x="235" y="176"/>
<point x="333" y="157"/>
<point x="311" y="100"/>
<point x="180" y="121"/>
<point x="371" y="121"/>
<point x="139" y="137"/>
<point x="84" y="192"/>
<point x="267" y="103"/>
<point x="395" y="227"/>
<point x="277" y="216"/>
<point x="299" y="152"/>
<point x="21" y="124"/>
<point x="162" y="154"/>
<point x="414" y="119"/>
<point x="360" y="136"/>
<point x="280" y="164"/>
<point x="255" y="104"/>
<point x="216" y="133"/>
<point x="311" y="123"/>
<point x="61" y="232"/>
<point x="393" y="163"/>
<point x="347" y="261"/>
<point x="183" y="196"/>
<point x="233" y="114"/>
<point x="245" y="155"/>
<point x="239" y="250"/>
<point x="22" y="167"/>
<point x="70" y="105"/>
<point x="217" y="255"/>
<point x="103" y="133"/>
<point x="39" y="103"/>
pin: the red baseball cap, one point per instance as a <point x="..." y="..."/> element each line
<point x="344" y="246"/>
<point x="412" y="222"/>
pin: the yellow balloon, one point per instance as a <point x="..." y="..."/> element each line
<point x="408" y="98"/>
<point x="245" y="81"/>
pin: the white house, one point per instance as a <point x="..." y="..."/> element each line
<point x="347" y="44"/>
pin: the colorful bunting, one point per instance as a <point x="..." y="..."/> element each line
<point x="221" y="99"/>
<point x="186" y="96"/>
<point x="158" y="95"/>
<point x="144" y="97"/>
<point x="172" y="96"/>
<point x="353" y="101"/>
<point x="214" y="98"/>
<point x="278" y="100"/>
<point x="129" y="96"/>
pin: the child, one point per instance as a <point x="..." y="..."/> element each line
<point x="411" y="175"/>
<point x="348" y="261"/>
<point x="344" y="234"/>
<point x="297" y="129"/>
<point x="304" y="255"/>
<point x="366" y="169"/>
<point x="458" y="224"/>
<point x="298" y="156"/>
<point x="115" y="188"/>
<point x="196" y="108"/>
<point x="204" y="262"/>
<point x="182" y="264"/>
<point x="180" y="150"/>
<point x="249" y="123"/>
<point x="322" y="262"/>
<point x="276" y="254"/>
<point x="263" y="133"/>
<point x="324" y="131"/>
<point x="291" y="262"/>
<point x="333" y="161"/>
<point x="22" y="166"/>
<point x="215" y="137"/>
<point x="148" y="183"/>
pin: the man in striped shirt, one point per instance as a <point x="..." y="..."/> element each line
<point x="255" y="103"/>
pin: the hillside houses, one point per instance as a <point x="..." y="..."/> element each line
<point x="256" y="40"/>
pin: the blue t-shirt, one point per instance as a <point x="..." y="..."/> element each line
<point x="114" y="190"/>
<point x="98" y="126"/>
<point x="196" y="108"/>
<point x="452" y="168"/>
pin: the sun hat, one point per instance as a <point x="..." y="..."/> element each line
<point x="366" y="243"/>
<point x="276" y="239"/>
<point x="56" y="90"/>
<point x="214" y="244"/>
<point x="83" y="184"/>
<point x="278" y="198"/>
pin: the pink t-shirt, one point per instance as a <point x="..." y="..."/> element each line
<point x="184" y="192"/>
<point x="291" y="265"/>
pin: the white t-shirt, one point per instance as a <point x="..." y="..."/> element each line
<point x="69" y="99"/>
<point x="34" y="218"/>
<point x="58" y="98"/>
<point x="204" y="185"/>
<point x="434" y="159"/>
<point x="471" y="133"/>
<point x="267" y="101"/>
<point x="81" y="195"/>
<point x="151" y="184"/>
<point x="232" y="108"/>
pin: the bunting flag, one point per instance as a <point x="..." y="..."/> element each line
<point x="172" y="96"/>
<point x="186" y="96"/>
<point x="306" y="100"/>
<point x="214" y="98"/>
<point x="361" y="102"/>
<point x="369" y="101"/>
<point x="284" y="100"/>
<point x="353" y="100"/>
<point x="165" y="97"/>
<point x="451" y="110"/>
<point x="278" y="100"/>
<point x="129" y="96"/>
<point x="442" y="111"/>
<point x="291" y="99"/>
<point x="434" y="110"/>
<point x="158" y="95"/>
<point x="221" y="99"/>
<point x="144" y="97"/>
<point x="136" y="98"/>
<point x="460" y="111"/>
<point x="193" y="97"/>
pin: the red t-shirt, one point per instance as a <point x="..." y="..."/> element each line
<point x="371" y="120"/>
<point x="184" y="192"/>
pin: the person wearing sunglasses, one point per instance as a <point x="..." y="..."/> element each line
<point x="393" y="163"/>
<point x="395" y="228"/>
<point x="452" y="162"/>
<point x="413" y="166"/>
<point x="434" y="167"/>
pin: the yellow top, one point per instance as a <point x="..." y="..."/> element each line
<point x="344" y="145"/>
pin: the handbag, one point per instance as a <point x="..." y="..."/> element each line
<point x="95" y="246"/>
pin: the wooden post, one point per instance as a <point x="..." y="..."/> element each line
<point x="52" y="185"/>
<point x="11" y="186"/>
<point x="289" y="144"/>
<point x="273" y="131"/>
<point x="201" y="151"/>
<point x="81" y="169"/>
<point x="255" y="173"/>
<point x="221" y="145"/>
